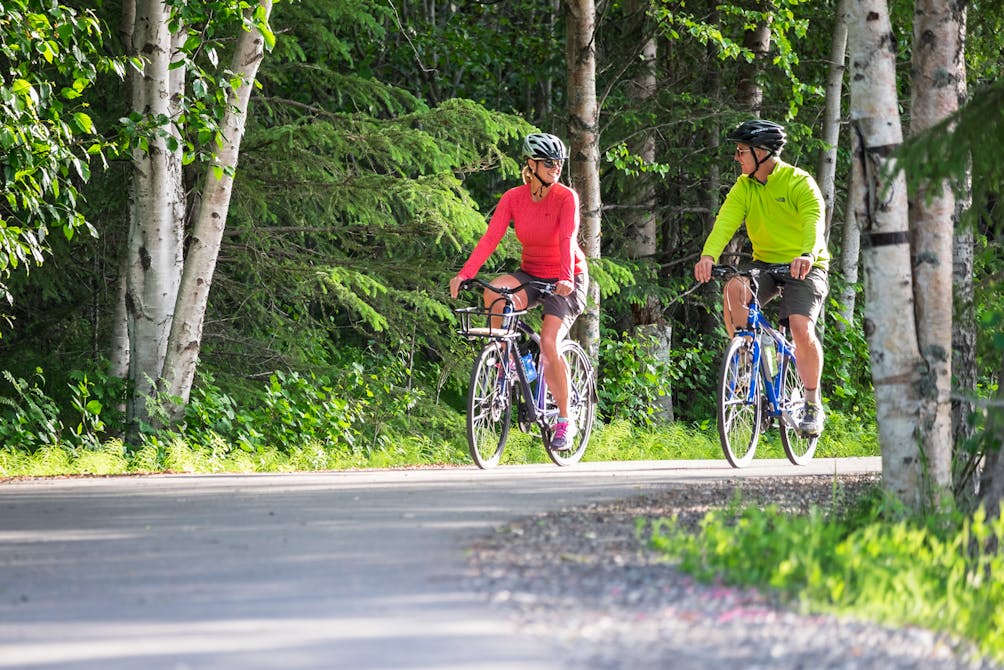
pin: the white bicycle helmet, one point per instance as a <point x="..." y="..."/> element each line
<point x="544" y="145"/>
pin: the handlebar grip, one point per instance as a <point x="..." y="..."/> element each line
<point x="723" y="270"/>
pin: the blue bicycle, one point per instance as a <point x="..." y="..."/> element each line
<point x="507" y="374"/>
<point x="759" y="382"/>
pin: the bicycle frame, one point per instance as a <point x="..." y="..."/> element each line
<point x="757" y="325"/>
<point x="499" y="375"/>
<point x="750" y="391"/>
<point x="532" y="393"/>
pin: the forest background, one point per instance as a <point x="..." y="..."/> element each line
<point x="328" y="205"/>
<point x="376" y="142"/>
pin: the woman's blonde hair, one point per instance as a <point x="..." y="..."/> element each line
<point x="527" y="174"/>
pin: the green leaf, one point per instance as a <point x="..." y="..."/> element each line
<point x="261" y="23"/>
<point x="83" y="122"/>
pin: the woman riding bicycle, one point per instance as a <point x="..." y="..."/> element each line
<point x="784" y="214"/>
<point x="545" y="215"/>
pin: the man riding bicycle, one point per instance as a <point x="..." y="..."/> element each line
<point x="784" y="213"/>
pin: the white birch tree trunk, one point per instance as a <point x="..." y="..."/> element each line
<point x="119" y="342"/>
<point x="883" y="218"/>
<point x="964" y="316"/>
<point x="850" y="247"/>
<point x="757" y="40"/>
<point x="119" y="345"/>
<point x="827" y="169"/>
<point x="850" y="253"/>
<point x="938" y="59"/>
<point x="963" y="329"/>
<point x="750" y="97"/>
<point x="210" y="220"/>
<point x="157" y="210"/>
<point x="641" y="240"/>
<point x="640" y="235"/>
<point x="584" y="132"/>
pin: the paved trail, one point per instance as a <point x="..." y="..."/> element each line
<point x="353" y="570"/>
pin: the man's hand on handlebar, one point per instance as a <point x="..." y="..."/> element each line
<point x="564" y="287"/>
<point x="702" y="269"/>
<point x="800" y="267"/>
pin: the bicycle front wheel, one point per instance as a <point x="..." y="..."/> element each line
<point x="581" y="402"/>
<point x="799" y="449"/>
<point x="489" y="407"/>
<point x="738" y="408"/>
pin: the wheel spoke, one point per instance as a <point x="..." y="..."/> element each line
<point x="799" y="449"/>
<point x="488" y="409"/>
<point x="581" y="402"/>
<point x="738" y="416"/>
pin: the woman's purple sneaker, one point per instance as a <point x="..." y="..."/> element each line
<point x="564" y="430"/>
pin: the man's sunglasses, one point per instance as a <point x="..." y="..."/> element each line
<point x="548" y="163"/>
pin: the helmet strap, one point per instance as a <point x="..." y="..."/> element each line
<point x="760" y="162"/>
<point x="544" y="184"/>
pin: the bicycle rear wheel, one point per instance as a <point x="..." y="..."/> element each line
<point x="581" y="403"/>
<point x="489" y="407"/>
<point x="738" y="410"/>
<point x="800" y="449"/>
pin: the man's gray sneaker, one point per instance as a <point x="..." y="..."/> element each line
<point x="813" y="417"/>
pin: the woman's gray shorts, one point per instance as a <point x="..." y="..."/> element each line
<point x="565" y="307"/>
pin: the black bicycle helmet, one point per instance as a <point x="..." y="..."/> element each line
<point x="544" y="145"/>
<point x="756" y="133"/>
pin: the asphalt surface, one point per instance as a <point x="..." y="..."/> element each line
<point x="352" y="570"/>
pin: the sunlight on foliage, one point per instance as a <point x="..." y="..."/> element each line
<point x="944" y="577"/>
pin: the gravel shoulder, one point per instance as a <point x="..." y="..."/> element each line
<point x="584" y="577"/>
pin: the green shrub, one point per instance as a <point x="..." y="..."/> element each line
<point x="361" y="408"/>
<point x="847" y="382"/>
<point x="695" y="362"/>
<point x="32" y="418"/>
<point x="289" y="410"/>
<point x="632" y="380"/>
<point x="935" y="573"/>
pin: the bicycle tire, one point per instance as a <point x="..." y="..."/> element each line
<point x="799" y="449"/>
<point x="738" y="417"/>
<point x="489" y="407"/>
<point x="581" y="403"/>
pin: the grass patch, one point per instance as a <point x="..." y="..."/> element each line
<point x="210" y="452"/>
<point x="933" y="573"/>
<point x="624" y="441"/>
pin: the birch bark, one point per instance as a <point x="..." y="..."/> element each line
<point x="882" y="215"/>
<point x="156" y="210"/>
<point x="826" y="172"/>
<point x="157" y="336"/>
<point x="210" y="220"/>
<point x="584" y="131"/>
<point x="938" y="60"/>
<point x="850" y="253"/>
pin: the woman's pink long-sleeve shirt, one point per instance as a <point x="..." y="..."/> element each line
<point x="547" y="230"/>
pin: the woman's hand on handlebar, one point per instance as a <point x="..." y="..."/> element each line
<point x="702" y="269"/>
<point x="455" y="285"/>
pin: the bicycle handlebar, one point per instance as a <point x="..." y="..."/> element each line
<point x="543" y="286"/>
<point x="775" y="269"/>
<point x="780" y="271"/>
